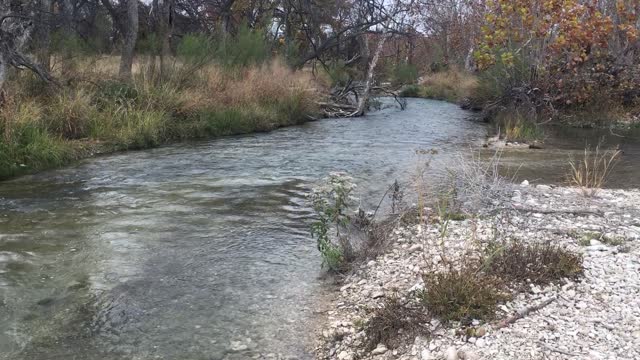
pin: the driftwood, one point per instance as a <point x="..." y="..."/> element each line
<point x="521" y="313"/>
<point x="554" y="349"/>
<point x="547" y="211"/>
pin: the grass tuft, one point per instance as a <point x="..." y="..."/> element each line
<point x="540" y="264"/>
<point x="591" y="173"/>
<point x="462" y="295"/>
<point x="393" y="323"/>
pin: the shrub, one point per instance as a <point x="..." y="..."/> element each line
<point x="115" y="92"/>
<point x="330" y="201"/>
<point x="540" y="264"/>
<point x="410" y="91"/>
<point x="247" y="47"/>
<point x="404" y="73"/>
<point x="393" y="323"/>
<point x="196" y="49"/>
<point x="461" y="295"/>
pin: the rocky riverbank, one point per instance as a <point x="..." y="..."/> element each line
<point x="595" y="317"/>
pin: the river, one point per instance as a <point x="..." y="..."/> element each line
<point x="199" y="250"/>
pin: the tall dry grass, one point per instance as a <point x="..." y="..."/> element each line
<point x="43" y="127"/>
<point x="452" y="85"/>
<point x="592" y="172"/>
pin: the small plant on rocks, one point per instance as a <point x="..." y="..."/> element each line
<point x="331" y="201"/>
<point x="395" y="322"/>
<point x="462" y="295"/>
<point x="540" y="264"/>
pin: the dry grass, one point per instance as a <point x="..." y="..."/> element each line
<point x="452" y="85"/>
<point x="394" y="323"/>
<point x="591" y="173"/>
<point x="262" y="84"/>
<point x="93" y="106"/>
<point x="518" y="264"/>
<point x="462" y="294"/>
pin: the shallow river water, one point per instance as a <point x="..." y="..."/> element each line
<point x="177" y="252"/>
<point x="199" y="250"/>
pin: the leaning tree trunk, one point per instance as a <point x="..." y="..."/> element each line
<point x="364" y="97"/>
<point x="131" y="35"/>
<point x="14" y="33"/>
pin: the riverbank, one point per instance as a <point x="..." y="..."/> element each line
<point x="595" y="316"/>
<point x="514" y="122"/>
<point x="43" y="127"/>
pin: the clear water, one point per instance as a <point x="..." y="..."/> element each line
<point x="176" y="252"/>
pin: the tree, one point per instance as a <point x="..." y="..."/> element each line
<point x="130" y="37"/>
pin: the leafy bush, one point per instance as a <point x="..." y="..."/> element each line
<point x="115" y="92"/>
<point x="196" y="48"/>
<point x="404" y="73"/>
<point x="411" y="91"/>
<point x="247" y="47"/>
<point x="330" y="201"/>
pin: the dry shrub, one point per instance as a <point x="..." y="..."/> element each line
<point x="518" y="263"/>
<point x="462" y="294"/>
<point x="591" y="174"/>
<point x="394" y="323"/>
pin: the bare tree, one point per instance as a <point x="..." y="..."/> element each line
<point x="15" y="30"/>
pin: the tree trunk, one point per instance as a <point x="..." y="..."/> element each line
<point x="67" y="31"/>
<point x="128" y="48"/>
<point x="164" y="29"/>
<point x="43" y="53"/>
<point x="362" y="102"/>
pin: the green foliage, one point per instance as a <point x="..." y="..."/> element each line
<point x="404" y="73"/>
<point x="247" y="47"/>
<point x="112" y="92"/>
<point x="338" y="73"/>
<point x="411" y="91"/>
<point x="196" y="48"/>
<point x="330" y="201"/>
<point x="31" y="149"/>
<point x="69" y="44"/>
<point x="150" y="44"/>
